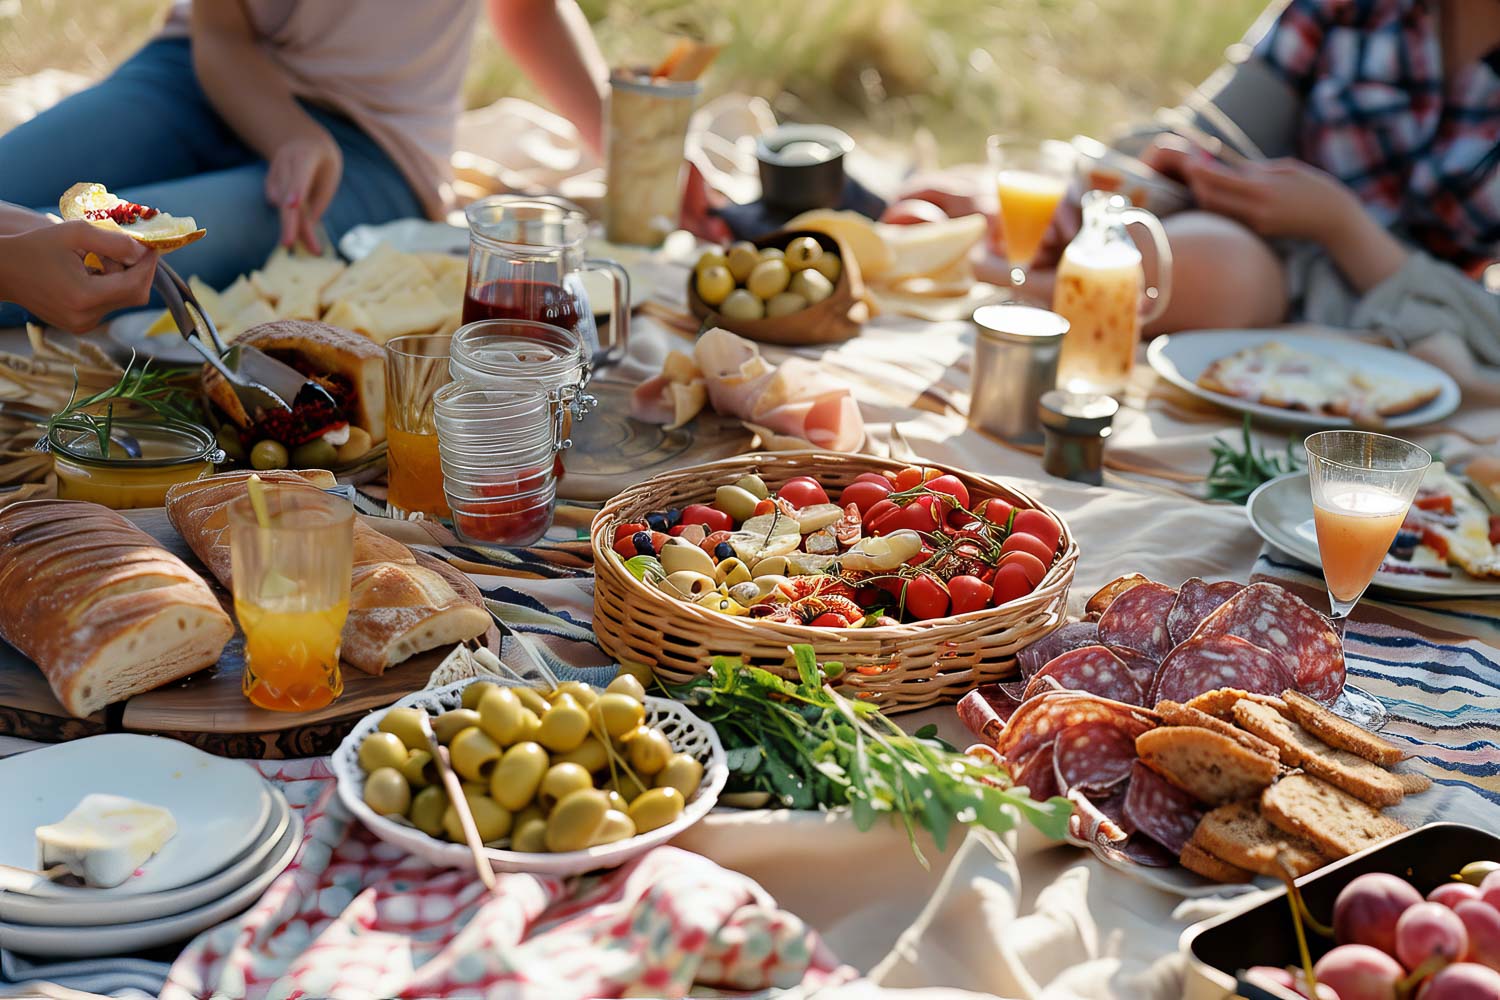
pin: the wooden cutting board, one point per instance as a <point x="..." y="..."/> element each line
<point x="207" y="709"/>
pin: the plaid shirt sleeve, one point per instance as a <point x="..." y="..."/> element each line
<point x="1293" y="42"/>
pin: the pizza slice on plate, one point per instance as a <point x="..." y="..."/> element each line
<point x="1447" y="526"/>
<point x="1273" y="374"/>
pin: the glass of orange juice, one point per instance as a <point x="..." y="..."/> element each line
<point x="416" y="366"/>
<point x="292" y="556"/>
<point x="1362" y="486"/>
<point x="1030" y="180"/>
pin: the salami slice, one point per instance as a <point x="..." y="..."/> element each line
<point x="1196" y="600"/>
<point x="1279" y="622"/>
<point x="1089" y="823"/>
<point x="1137" y="619"/>
<point x="1141" y="666"/>
<point x="1039" y="720"/>
<point x="981" y="716"/>
<point x="1093" y="669"/>
<point x="1055" y="643"/>
<point x="1209" y="662"/>
<point x="1105" y="595"/>
<point x="1093" y="757"/>
<point x="1160" y="810"/>
<point x="1147" y="853"/>
<point x="1038" y="772"/>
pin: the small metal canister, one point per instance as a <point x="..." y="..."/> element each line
<point x="1015" y="362"/>
<point x="1075" y="425"/>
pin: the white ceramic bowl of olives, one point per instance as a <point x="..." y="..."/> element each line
<point x="559" y="782"/>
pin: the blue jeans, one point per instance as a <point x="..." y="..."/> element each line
<point x="150" y="135"/>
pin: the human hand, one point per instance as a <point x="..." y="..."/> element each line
<point x="303" y="179"/>
<point x="1170" y="154"/>
<point x="1275" y="198"/>
<point x="44" y="272"/>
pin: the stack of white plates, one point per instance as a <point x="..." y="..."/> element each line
<point x="235" y="834"/>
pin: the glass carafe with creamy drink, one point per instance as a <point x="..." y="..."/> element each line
<point x="1099" y="290"/>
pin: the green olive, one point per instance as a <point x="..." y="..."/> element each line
<point x="268" y="455"/>
<point x="530" y="837"/>
<point x="803" y="252"/>
<point x="1475" y="871"/>
<point x="647" y="750"/>
<point x="581" y="693"/>
<point x="515" y="781"/>
<point x="576" y="820"/>
<point x="682" y="772"/>
<point x="229" y="442"/>
<point x="475" y="755"/>
<point x="448" y="725"/>
<point x="829" y="266"/>
<point x="531" y="727"/>
<point x="532" y="699"/>
<point x="811" y="285"/>
<point x="531" y="812"/>
<point x="710" y="258"/>
<point x="626" y="684"/>
<point x="491" y="819"/>
<point x="616" y="800"/>
<point x="560" y="781"/>
<point x="741" y="260"/>
<point x="381" y="750"/>
<point x="419" y="770"/>
<point x="617" y="714"/>
<point x="474" y="693"/>
<point x="501" y="715"/>
<point x="314" y="454"/>
<point x="626" y="786"/>
<point x="714" y="284"/>
<point x="769" y="279"/>
<point x="427" y="808"/>
<point x="406" y="724"/>
<point x="564" y="727"/>
<point x="656" y="807"/>
<point x="387" y="792"/>
<point x="590" y="755"/>
<point x="742" y="304"/>
<point x="617" y="826"/>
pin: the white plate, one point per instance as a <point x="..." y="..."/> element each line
<point x="1281" y="512"/>
<point x="128" y="332"/>
<point x="21" y="908"/>
<point x="1182" y="357"/>
<point x="220" y="805"/>
<point x="76" y="942"/>
<point x="1175" y="880"/>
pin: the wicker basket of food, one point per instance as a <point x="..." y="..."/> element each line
<point x="925" y="582"/>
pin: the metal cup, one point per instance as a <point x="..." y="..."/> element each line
<point x="1015" y="361"/>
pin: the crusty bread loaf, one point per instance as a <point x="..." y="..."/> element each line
<point x="103" y="610"/>
<point x="397" y="605"/>
<point x="325" y="350"/>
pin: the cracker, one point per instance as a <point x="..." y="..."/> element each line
<point x="1340" y="733"/>
<point x="1239" y="834"/>
<point x="1413" y="783"/>
<point x="1196" y="859"/>
<point x="1330" y="817"/>
<point x="1299" y="748"/>
<point x="1220" y="703"/>
<point x="1207" y="765"/>
<point x="1175" y="714"/>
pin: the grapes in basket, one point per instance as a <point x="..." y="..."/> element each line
<point x="561" y="771"/>
<point x="896" y="547"/>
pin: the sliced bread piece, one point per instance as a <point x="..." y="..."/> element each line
<point x="1216" y="869"/>
<point x="1209" y="766"/>
<point x="1176" y="714"/>
<point x="1239" y="834"/>
<point x="1299" y="748"/>
<point x="1413" y="783"/>
<point x="1341" y="733"/>
<point x="1330" y="817"/>
<point x="1220" y="703"/>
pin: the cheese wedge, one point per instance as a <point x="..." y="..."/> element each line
<point x="105" y="839"/>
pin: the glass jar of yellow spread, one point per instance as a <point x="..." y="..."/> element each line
<point x="170" y="452"/>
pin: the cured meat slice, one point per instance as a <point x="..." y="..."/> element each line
<point x="1159" y="809"/>
<point x="1038" y="772"/>
<point x="1070" y="636"/>
<point x="1280" y="622"/>
<point x="1147" y="853"/>
<point x="1040" y="719"/>
<point x="1091" y="668"/>
<point x="1137" y="619"/>
<point x="1196" y="600"/>
<point x="1093" y="757"/>
<point x="980" y="716"/>
<point x="1106" y="595"/>
<point x="1141" y="666"/>
<point x="1209" y="662"/>
<point x="1091" y="824"/>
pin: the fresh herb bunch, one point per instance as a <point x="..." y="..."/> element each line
<point x="811" y="748"/>
<point x="162" y="393"/>
<point x="1237" y="472"/>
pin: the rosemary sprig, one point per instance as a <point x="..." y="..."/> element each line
<point x="1237" y="472"/>
<point x="157" y="391"/>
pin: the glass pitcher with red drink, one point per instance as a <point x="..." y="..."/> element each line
<point x="526" y="261"/>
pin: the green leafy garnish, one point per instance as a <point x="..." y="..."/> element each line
<point x="810" y="747"/>
<point x="160" y="392"/>
<point x="1237" y="472"/>
<point x="647" y="569"/>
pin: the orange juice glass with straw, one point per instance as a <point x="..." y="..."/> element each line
<point x="416" y="367"/>
<point x="291" y="551"/>
<point x="1030" y="181"/>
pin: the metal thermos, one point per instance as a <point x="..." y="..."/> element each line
<point x="1015" y="362"/>
<point x="1075" y="425"/>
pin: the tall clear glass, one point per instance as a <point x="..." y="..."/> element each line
<point x="645" y="142"/>
<point x="416" y="367"/>
<point x="1030" y="180"/>
<point x="1362" y="486"/>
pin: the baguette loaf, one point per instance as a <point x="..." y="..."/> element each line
<point x="103" y="610"/>
<point x="398" y="606"/>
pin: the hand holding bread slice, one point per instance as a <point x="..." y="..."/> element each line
<point x="93" y="203"/>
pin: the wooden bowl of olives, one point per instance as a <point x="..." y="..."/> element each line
<point x="559" y="782"/>
<point x="791" y="288"/>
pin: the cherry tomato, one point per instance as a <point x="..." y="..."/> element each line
<point x="624" y="546"/>
<point x="626" y="530"/>
<point x="925" y="598"/>
<point x="764" y="507"/>
<point x="1010" y="583"/>
<point x="1440" y="502"/>
<point x="952" y="486"/>
<point x="921" y="557"/>
<point x="877" y="510"/>
<point x="869" y="596"/>
<point x="1020" y="541"/>
<point x="802" y="491"/>
<point x="969" y="593"/>
<point x="710" y="517"/>
<point x="830" y="619"/>
<point x="885" y="479"/>
<point x="864" y="494"/>
<point x="1033" y="567"/>
<point x="915" y="475"/>
<point x="1034" y="522"/>
<point x="996" y="511"/>
<point x="921" y="514"/>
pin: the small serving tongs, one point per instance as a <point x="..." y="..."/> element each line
<point x="260" y="382"/>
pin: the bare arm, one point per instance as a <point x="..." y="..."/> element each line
<point x="552" y="43"/>
<point x="15" y="220"/>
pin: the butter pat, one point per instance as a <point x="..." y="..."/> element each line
<point x="105" y="838"/>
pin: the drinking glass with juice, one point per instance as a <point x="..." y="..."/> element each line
<point x="416" y="366"/>
<point x="292" y="559"/>
<point x="1030" y="181"/>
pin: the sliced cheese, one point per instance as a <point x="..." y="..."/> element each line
<point x="105" y="839"/>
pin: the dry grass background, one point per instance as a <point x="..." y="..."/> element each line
<point x="955" y="69"/>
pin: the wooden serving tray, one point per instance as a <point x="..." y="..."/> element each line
<point x="207" y="708"/>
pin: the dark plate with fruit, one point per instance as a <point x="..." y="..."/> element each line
<point x="1397" y="913"/>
